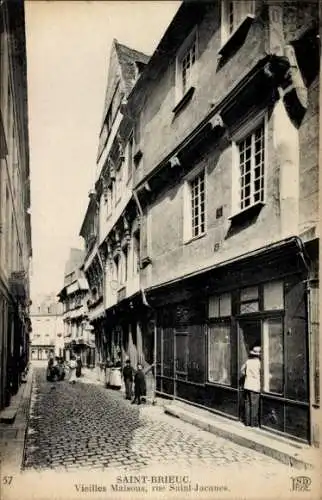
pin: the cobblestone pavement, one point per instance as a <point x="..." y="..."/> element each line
<point x="85" y="425"/>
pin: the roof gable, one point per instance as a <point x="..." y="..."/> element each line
<point x="123" y="66"/>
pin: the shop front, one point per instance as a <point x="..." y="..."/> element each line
<point x="210" y="323"/>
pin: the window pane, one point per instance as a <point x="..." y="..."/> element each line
<point x="249" y="293"/>
<point x="197" y="187"/>
<point x="249" y="307"/>
<point x="196" y="365"/>
<point x="296" y="340"/>
<point x="225" y="304"/>
<point x="274" y="295"/>
<point x="213" y="311"/>
<point x="219" y="354"/>
<point x="273" y="356"/>
<point x="182" y="353"/>
<point x="168" y="353"/>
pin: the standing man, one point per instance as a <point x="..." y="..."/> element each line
<point x="139" y="385"/>
<point x="78" y="366"/>
<point x="251" y="371"/>
<point x="128" y="379"/>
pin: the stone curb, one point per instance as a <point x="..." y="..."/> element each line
<point x="273" y="449"/>
<point x="13" y="448"/>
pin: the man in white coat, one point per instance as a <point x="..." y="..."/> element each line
<point x="251" y="371"/>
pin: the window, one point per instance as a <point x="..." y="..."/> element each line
<point x="195" y="207"/>
<point x="182" y="353"/>
<point x="124" y="261"/>
<point x="136" y="253"/>
<point x="251" y="158"/>
<point x="219" y="306"/>
<point x="130" y="157"/>
<point x="198" y="204"/>
<point x="274" y="295"/>
<point x="116" y="271"/>
<point x="109" y="197"/>
<point x="219" y="354"/>
<point x="186" y="62"/>
<point x="233" y="14"/>
<point x="273" y="356"/>
<point x="118" y="184"/>
<point x="249" y="300"/>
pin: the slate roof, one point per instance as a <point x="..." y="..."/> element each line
<point x="127" y="59"/>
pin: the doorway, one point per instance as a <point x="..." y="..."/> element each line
<point x="249" y="336"/>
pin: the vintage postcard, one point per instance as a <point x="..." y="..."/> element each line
<point x="159" y="249"/>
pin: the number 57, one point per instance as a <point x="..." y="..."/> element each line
<point x="7" y="479"/>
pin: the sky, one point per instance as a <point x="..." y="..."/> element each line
<point x="68" y="47"/>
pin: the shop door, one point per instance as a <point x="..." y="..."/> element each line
<point x="250" y="335"/>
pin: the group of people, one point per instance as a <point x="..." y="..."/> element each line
<point x="129" y="375"/>
<point x="57" y="368"/>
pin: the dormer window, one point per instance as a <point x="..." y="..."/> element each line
<point x="186" y="65"/>
<point x="233" y="13"/>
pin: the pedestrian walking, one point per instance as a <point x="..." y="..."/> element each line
<point x="78" y="366"/>
<point x="128" y="379"/>
<point x="251" y="372"/>
<point x="72" y="367"/>
<point x="139" y="385"/>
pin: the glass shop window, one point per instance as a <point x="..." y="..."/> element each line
<point x="273" y="356"/>
<point x="219" y="306"/>
<point x="273" y="295"/>
<point x="219" y="354"/>
<point x="249" y="300"/>
<point x="182" y="353"/>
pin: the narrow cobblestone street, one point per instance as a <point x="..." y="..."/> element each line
<point x="85" y="425"/>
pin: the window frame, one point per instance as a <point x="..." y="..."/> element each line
<point x="248" y="128"/>
<point x="187" y="205"/>
<point x="185" y="47"/>
<point x="226" y="33"/>
<point x="219" y="322"/>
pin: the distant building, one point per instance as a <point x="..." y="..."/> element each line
<point x="47" y="328"/>
<point x="15" y="225"/>
<point x="78" y="333"/>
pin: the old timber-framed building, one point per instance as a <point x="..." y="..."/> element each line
<point x="111" y="226"/>
<point x="226" y="121"/>
<point x="202" y="231"/>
